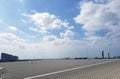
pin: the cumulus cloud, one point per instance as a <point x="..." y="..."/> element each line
<point x="97" y="17"/>
<point x="13" y="28"/>
<point x="50" y="38"/>
<point x="46" y="21"/>
<point x="33" y="29"/>
<point x="24" y="21"/>
<point x="9" y="38"/>
<point x="65" y="38"/>
<point x="67" y="34"/>
<point x="50" y="47"/>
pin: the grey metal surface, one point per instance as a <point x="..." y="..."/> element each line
<point x="21" y="70"/>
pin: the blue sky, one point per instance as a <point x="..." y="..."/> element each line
<point x="59" y="28"/>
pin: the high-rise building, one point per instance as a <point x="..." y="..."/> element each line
<point x="102" y="53"/>
<point x="108" y="55"/>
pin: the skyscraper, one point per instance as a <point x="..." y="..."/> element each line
<point x="108" y="55"/>
<point x="102" y="53"/>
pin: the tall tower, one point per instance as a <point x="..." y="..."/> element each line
<point x="103" y="54"/>
<point x="108" y="55"/>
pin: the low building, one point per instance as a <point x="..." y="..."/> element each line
<point x="8" y="57"/>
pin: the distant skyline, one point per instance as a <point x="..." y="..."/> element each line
<point x="59" y="28"/>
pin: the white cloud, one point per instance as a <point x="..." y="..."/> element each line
<point x="65" y="38"/>
<point x="101" y="23"/>
<point x="52" y="46"/>
<point x="33" y="29"/>
<point x="96" y="17"/>
<point x="46" y="21"/>
<point x="50" y="38"/>
<point x="24" y="21"/>
<point x="67" y="34"/>
<point x="10" y="38"/>
<point x="13" y="28"/>
<point x="13" y="44"/>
